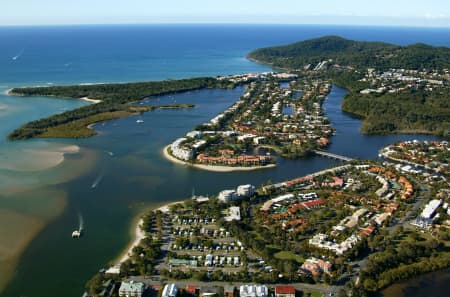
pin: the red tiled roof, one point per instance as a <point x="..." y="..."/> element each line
<point x="284" y="290"/>
<point x="191" y="288"/>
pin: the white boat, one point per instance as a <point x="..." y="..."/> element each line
<point x="139" y="121"/>
<point x="76" y="234"/>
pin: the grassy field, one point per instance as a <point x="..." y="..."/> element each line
<point x="288" y="255"/>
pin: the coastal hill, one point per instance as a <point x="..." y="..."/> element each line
<point x="357" y="54"/>
<point x="394" y="89"/>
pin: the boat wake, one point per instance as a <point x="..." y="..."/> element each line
<point x="97" y="180"/>
<point x="80" y="222"/>
<point x="18" y="55"/>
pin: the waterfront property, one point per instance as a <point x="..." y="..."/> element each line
<point x="256" y="121"/>
<point x="132" y="289"/>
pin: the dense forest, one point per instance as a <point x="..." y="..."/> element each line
<point x="116" y="99"/>
<point x="415" y="110"/>
<point x="358" y="54"/>
<point x="411" y="111"/>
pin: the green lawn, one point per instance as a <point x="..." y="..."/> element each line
<point x="287" y="255"/>
<point x="312" y="293"/>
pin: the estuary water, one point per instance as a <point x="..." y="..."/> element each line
<point x="111" y="178"/>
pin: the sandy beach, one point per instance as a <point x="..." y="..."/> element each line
<point x="139" y="234"/>
<point x="95" y="101"/>
<point x="212" y="167"/>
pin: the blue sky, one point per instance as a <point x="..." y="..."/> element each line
<point x="348" y="12"/>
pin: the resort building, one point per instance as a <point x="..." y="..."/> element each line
<point x="180" y="151"/>
<point x="132" y="289"/>
<point x="316" y="266"/>
<point x="245" y="190"/>
<point x="227" y="195"/>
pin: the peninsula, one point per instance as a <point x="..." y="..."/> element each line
<point x="279" y="113"/>
<point x="112" y="101"/>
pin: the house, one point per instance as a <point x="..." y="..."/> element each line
<point x="253" y="291"/>
<point x="228" y="291"/>
<point x="191" y="290"/>
<point x="209" y="260"/>
<point x="170" y="290"/>
<point x="132" y="289"/>
<point x="284" y="291"/>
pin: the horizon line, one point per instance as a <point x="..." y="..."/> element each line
<point x="228" y="24"/>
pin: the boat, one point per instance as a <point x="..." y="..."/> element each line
<point x="139" y="121"/>
<point x="76" y="234"/>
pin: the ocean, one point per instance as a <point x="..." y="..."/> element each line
<point x="40" y="203"/>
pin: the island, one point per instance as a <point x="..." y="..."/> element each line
<point x="394" y="89"/>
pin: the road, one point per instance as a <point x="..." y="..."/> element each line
<point x="325" y="289"/>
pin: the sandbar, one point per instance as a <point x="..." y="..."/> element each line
<point x="37" y="159"/>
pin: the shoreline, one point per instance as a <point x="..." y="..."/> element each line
<point x="212" y="167"/>
<point x="94" y="101"/>
<point x="139" y="234"/>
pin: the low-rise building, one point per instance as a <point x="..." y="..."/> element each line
<point x="170" y="290"/>
<point x="253" y="291"/>
<point x="284" y="291"/>
<point x="132" y="289"/>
